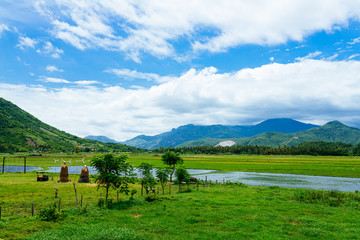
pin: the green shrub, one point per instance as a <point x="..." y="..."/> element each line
<point x="50" y="214"/>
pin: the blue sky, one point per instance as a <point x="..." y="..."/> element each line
<point x="123" y="68"/>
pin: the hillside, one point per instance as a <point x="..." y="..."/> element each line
<point x="20" y="131"/>
<point x="195" y="132"/>
<point x="331" y="132"/>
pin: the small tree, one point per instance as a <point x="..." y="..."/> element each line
<point x="163" y="175"/>
<point x="182" y="175"/>
<point x="148" y="180"/>
<point x="172" y="159"/>
<point x="113" y="171"/>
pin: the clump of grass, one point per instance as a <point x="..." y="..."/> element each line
<point x="329" y="198"/>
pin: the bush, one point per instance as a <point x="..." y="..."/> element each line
<point x="51" y="214"/>
<point x="182" y="175"/>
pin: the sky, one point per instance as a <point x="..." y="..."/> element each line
<point x="122" y="68"/>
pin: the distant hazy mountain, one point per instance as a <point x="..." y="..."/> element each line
<point x="20" y="131"/>
<point x="194" y="132"/>
<point x="331" y="132"/>
<point x="101" y="139"/>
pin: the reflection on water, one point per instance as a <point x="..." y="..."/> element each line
<point x="287" y="180"/>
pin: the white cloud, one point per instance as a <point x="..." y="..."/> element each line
<point x="53" y="80"/>
<point x="309" y="56"/>
<point x="307" y="90"/>
<point x="52" y="68"/>
<point x="25" y="42"/>
<point x="353" y="56"/>
<point x="132" y="74"/>
<point x="354" y="41"/>
<point x="87" y="82"/>
<point x="49" y="50"/>
<point x="153" y="26"/>
<point x="3" y="28"/>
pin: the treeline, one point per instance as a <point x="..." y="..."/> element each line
<point x="308" y="148"/>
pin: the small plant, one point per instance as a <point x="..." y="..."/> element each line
<point x="133" y="192"/>
<point x="151" y="198"/>
<point x="101" y="202"/>
<point x="50" y="214"/>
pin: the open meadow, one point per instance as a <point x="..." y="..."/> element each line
<point x="223" y="211"/>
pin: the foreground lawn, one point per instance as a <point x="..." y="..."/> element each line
<point x="231" y="211"/>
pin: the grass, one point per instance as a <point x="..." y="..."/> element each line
<point x="233" y="211"/>
<point x="305" y="165"/>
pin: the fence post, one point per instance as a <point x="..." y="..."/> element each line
<point x="205" y="181"/>
<point x="3" y="168"/>
<point x="32" y="209"/>
<point x="24" y="164"/>
<point x="75" y="195"/>
<point x="81" y="200"/>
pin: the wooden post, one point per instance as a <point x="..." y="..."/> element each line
<point x="24" y="164"/>
<point x="188" y="186"/>
<point x="81" y="200"/>
<point x="223" y="181"/>
<point x="59" y="204"/>
<point x="75" y="195"/>
<point x="3" y="168"/>
<point x="216" y="182"/>
<point x="205" y="181"/>
<point x="32" y="209"/>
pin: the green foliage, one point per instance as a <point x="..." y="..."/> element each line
<point x="114" y="171"/>
<point x="182" y="175"/>
<point x="147" y="180"/>
<point x="163" y="175"/>
<point x="172" y="159"/>
<point x="50" y="214"/>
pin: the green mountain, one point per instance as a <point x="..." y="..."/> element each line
<point x="20" y="131"/>
<point x="331" y="132"/>
<point x="195" y="132"/>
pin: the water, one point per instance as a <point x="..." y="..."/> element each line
<point x="19" y="169"/>
<point x="249" y="178"/>
<point x="287" y="180"/>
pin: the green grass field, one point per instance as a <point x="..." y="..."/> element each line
<point x="232" y="211"/>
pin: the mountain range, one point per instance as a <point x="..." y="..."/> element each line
<point x="180" y="135"/>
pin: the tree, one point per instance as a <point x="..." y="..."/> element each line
<point x="163" y="175"/>
<point x="148" y="180"/>
<point x="113" y="171"/>
<point x="182" y="175"/>
<point x="172" y="159"/>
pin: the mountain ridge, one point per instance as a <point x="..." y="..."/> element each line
<point x="190" y="132"/>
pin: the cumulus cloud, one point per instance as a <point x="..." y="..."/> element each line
<point x="87" y="82"/>
<point x="310" y="90"/>
<point x="153" y="26"/>
<point x="25" y="42"/>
